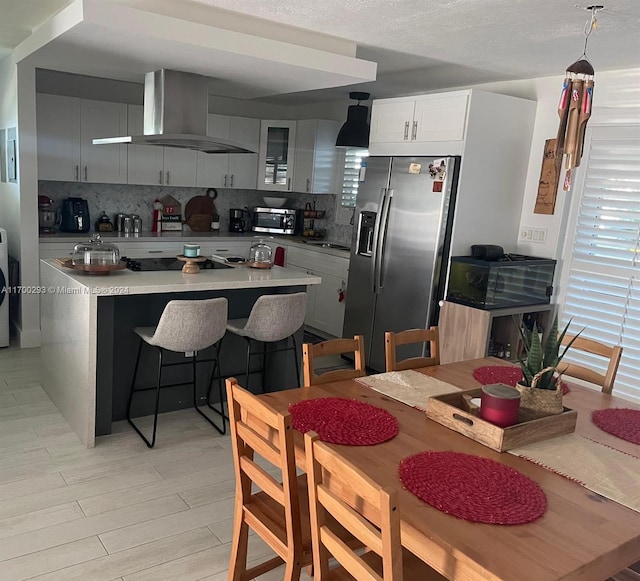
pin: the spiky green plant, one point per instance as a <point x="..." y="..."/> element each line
<point x="542" y="356"/>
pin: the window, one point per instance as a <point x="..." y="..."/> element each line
<point x="603" y="281"/>
<point x="351" y="176"/>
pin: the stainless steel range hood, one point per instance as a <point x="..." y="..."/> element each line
<point x="176" y="107"/>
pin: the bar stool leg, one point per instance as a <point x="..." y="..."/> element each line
<point x="214" y="372"/>
<point x="246" y="374"/>
<point x="295" y="358"/>
<point x="150" y="444"/>
<point x="263" y="376"/>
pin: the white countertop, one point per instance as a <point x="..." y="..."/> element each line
<point x="127" y="282"/>
<point x="72" y="239"/>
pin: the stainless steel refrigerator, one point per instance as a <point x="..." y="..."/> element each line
<point x="400" y="248"/>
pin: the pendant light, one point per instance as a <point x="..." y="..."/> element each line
<point x="355" y="131"/>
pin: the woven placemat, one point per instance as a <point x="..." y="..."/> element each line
<point x="344" y="421"/>
<point x="409" y="386"/>
<point x="621" y="422"/>
<point x="473" y="488"/>
<point x="504" y="374"/>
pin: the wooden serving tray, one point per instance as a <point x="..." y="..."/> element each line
<point x="94" y="269"/>
<point x="452" y="410"/>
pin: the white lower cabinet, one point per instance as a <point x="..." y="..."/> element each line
<point x="152" y="249"/>
<point x="325" y="309"/>
<point x="57" y="249"/>
<point x="224" y="248"/>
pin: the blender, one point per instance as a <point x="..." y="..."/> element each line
<point x="47" y="217"/>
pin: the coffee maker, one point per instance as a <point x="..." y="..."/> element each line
<point x="47" y="217"/>
<point x="236" y="220"/>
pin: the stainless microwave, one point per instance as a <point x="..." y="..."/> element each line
<point x="274" y="220"/>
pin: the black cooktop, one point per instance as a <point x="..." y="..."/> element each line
<point x="148" y="264"/>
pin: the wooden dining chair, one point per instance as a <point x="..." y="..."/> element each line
<point x="613" y="354"/>
<point x="279" y="512"/>
<point x="311" y="352"/>
<point x="384" y="559"/>
<point x="393" y="340"/>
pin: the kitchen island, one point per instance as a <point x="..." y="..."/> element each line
<point x="88" y="344"/>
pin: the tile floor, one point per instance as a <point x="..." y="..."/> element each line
<point x="119" y="511"/>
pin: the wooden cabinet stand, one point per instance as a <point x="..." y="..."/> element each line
<point x="465" y="332"/>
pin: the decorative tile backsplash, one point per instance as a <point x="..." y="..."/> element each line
<point x="130" y="199"/>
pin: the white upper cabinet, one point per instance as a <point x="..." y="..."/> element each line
<point x="316" y="156"/>
<point x="155" y="165"/>
<point x="391" y="120"/>
<point x="180" y="167"/>
<point x="243" y="167"/>
<point x="146" y="162"/>
<point x="276" y="157"/>
<point x="66" y="129"/>
<point x="236" y="170"/>
<point x="438" y="118"/>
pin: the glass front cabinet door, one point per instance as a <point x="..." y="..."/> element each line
<point x="275" y="164"/>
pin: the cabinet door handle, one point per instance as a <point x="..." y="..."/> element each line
<point x="168" y="178"/>
<point x="154" y="251"/>
<point x="414" y="130"/>
<point x="308" y="185"/>
<point x="85" y="173"/>
<point x="160" y="177"/>
<point x="77" y="173"/>
<point x="231" y="184"/>
<point x="288" y="183"/>
<point x="225" y="180"/>
<point x="406" y="130"/>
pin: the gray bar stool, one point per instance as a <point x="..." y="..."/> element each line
<point x="273" y="318"/>
<point x="185" y="327"/>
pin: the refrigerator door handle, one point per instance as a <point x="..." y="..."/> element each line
<point x="376" y="241"/>
<point x="382" y="234"/>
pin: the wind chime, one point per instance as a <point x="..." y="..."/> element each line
<point x="574" y="108"/>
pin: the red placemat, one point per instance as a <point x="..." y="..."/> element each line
<point x="621" y="422"/>
<point x="504" y="374"/>
<point x="473" y="488"/>
<point x="344" y="421"/>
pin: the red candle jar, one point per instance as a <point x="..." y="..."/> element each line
<point x="499" y="404"/>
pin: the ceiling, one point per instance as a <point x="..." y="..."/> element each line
<point x="418" y="46"/>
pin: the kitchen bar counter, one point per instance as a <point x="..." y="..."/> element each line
<point x="127" y="282"/>
<point x="88" y="344"/>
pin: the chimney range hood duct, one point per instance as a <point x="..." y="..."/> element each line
<point x="176" y="107"/>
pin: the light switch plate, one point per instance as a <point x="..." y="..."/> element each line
<point x="11" y="155"/>
<point x="3" y="156"/>
<point x="530" y="234"/>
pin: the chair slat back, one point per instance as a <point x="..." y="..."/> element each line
<point x="612" y="353"/>
<point x="328" y="473"/>
<point x="394" y="340"/>
<point x="251" y="421"/>
<point x="311" y="352"/>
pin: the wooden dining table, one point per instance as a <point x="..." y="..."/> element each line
<point x="582" y="536"/>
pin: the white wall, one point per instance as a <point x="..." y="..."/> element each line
<point x="10" y="192"/>
<point x="29" y="330"/>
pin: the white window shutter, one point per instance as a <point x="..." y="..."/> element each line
<point x="603" y="285"/>
<point x="351" y="176"/>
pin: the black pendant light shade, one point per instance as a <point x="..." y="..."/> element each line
<point x="355" y="131"/>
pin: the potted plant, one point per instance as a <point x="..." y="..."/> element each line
<point x="540" y="388"/>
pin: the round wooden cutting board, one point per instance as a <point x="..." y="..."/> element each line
<point x="199" y="211"/>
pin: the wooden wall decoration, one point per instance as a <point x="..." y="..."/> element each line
<point x="549" y="177"/>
